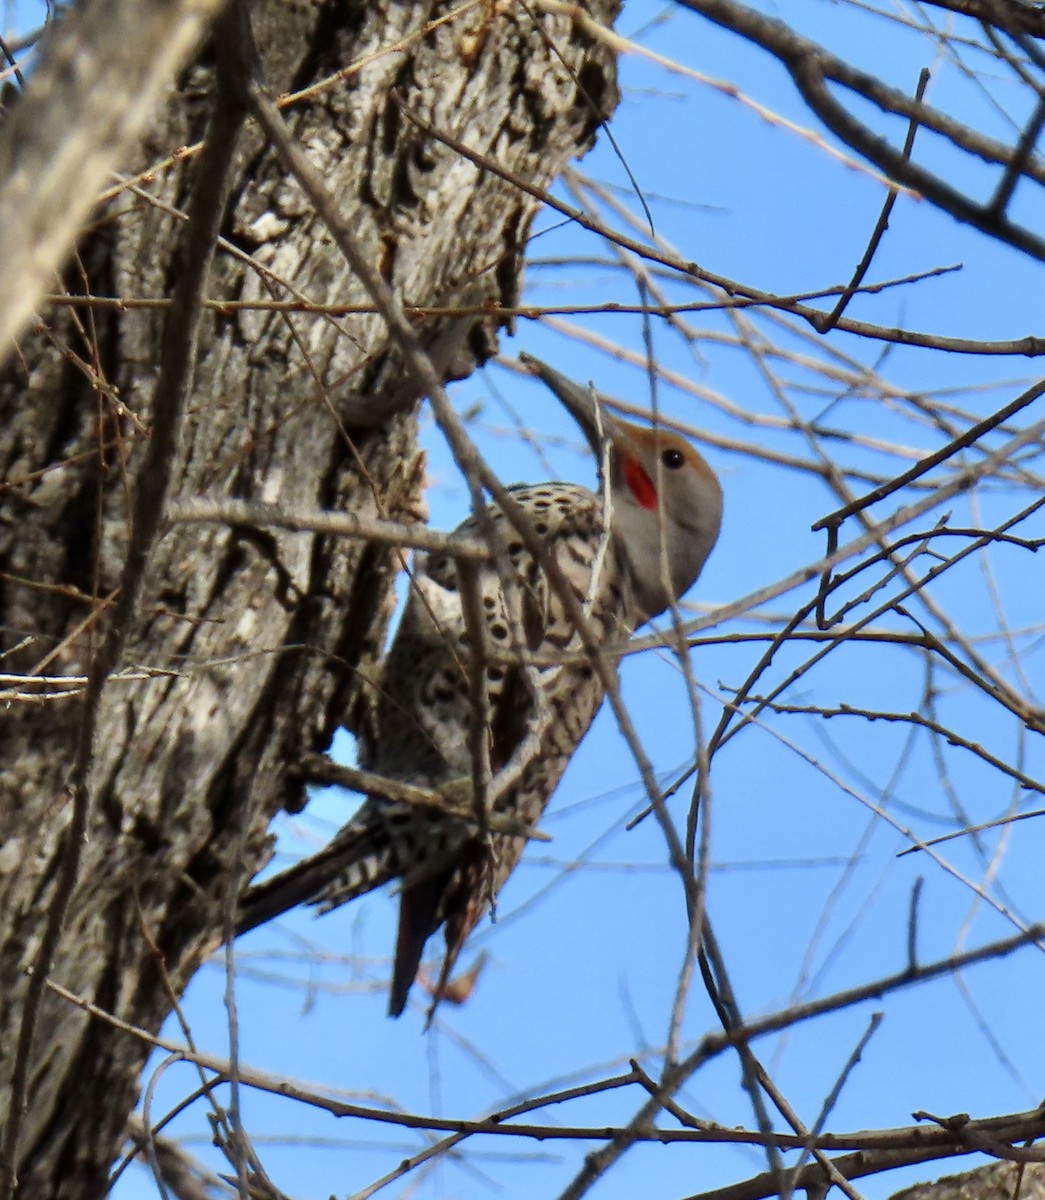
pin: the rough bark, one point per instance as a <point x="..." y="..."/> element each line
<point x="90" y="98"/>
<point x="259" y="639"/>
<point x="1000" y="1180"/>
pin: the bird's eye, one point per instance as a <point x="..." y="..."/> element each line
<point x="673" y="459"/>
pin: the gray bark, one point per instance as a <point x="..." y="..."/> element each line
<point x="260" y="637"/>
<point x="90" y="96"/>
<point x="1001" y="1180"/>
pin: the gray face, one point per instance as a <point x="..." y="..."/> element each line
<point x="668" y="546"/>
<point x="668" y="529"/>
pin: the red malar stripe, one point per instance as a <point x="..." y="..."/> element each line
<point x="640" y="483"/>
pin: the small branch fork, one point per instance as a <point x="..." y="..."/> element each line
<point x="813" y="69"/>
<point x="872" y="1150"/>
<point x="598" y="1162"/>
<point x="955" y="446"/>
<point x="831" y="319"/>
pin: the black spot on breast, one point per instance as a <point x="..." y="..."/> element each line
<point x="446" y="684"/>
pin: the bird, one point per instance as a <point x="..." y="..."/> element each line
<point x="625" y="554"/>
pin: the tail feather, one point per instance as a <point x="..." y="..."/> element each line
<point x="467" y="899"/>
<point x="350" y="866"/>
<point x="418" y="916"/>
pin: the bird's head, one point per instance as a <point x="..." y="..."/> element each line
<point x="666" y="500"/>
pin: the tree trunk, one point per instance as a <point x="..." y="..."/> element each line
<point x="250" y="645"/>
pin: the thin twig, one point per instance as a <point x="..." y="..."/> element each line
<point x="315" y="768"/>
<point x="882" y="224"/>
<point x="414" y="536"/>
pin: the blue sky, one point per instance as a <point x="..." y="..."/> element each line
<point x="806" y="892"/>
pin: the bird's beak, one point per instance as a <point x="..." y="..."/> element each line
<point x="582" y="403"/>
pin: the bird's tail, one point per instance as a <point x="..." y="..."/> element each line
<point x="352" y="865"/>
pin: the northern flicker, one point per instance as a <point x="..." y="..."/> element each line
<point x="665" y="508"/>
